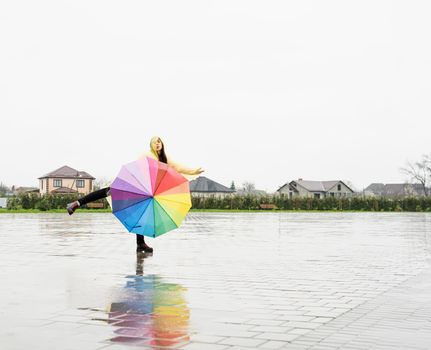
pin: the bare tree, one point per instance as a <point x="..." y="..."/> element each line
<point x="351" y="186"/>
<point x="101" y="183"/>
<point x="3" y="189"/>
<point x="248" y="187"/>
<point x="420" y="172"/>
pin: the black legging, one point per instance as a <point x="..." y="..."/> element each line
<point x="103" y="193"/>
<point x="94" y="196"/>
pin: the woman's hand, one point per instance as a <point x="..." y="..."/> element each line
<point x="198" y="171"/>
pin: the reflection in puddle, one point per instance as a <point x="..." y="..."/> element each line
<point x="150" y="311"/>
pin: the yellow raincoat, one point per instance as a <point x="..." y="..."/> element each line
<point x="188" y="173"/>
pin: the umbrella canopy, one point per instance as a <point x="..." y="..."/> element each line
<point x="149" y="197"/>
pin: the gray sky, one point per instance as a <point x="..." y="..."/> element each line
<point x="257" y="91"/>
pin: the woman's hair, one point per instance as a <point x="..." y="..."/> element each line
<point x="162" y="155"/>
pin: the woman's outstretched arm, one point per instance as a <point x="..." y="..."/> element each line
<point x="183" y="169"/>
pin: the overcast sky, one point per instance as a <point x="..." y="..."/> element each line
<point x="257" y="91"/>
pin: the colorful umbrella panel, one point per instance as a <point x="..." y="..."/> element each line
<point x="149" y="197"/>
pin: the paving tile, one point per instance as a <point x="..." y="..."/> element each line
<point x="273" y="345"/>
<point x="258" y="322"/>
<point x="201" y="338"/>
<point x="300" y="331"/>
<point x="206" y="346"/>
<point x="278" y="336"/>
<point x="273" y="329"/>
<point x="246" y="342"/>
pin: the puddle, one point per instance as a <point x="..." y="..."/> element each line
<point x="149" y="311"/>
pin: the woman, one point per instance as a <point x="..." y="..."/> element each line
<point x="157" y="152"/>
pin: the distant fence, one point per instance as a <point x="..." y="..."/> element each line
<point x="411" y="204"/>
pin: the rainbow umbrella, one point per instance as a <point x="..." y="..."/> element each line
<point x="149" y="197"/>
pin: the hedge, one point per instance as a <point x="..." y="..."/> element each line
<point x="330" y="203"/>
<point x="43" y="203"/>
<point x="411" y="204"/>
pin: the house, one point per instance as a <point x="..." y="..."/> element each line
<point x="315" y="189"/>
<point x="22" y="189"/>
<point x="395" y="190"/>
<point x="66" y="180"/>
<point x="204" y="187"/>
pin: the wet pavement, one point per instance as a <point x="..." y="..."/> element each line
<point x="221" y="281"/>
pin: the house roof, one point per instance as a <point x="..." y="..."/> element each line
<point x="375" y="187"/>
<point x="315" y="186"/>
<point x="289" y="185"/>
<point x="26" y="189"/>
<point x="327" y="185"/>
<point x="394" y="189"/>
<point x="312" y="186"/>
<point x="203" y="184"/>
<point x="67" y="172"/>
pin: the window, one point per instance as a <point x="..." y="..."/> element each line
<point x="80" y="183"/>
<point x="339" y="187"/>
<point x="332" y="194"/>
<point x="317" y="195"/>
<point x="57" y="183"/>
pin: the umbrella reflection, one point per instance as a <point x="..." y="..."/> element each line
<point x="150" y="312"/>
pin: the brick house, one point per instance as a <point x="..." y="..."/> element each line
<point x="66" y="180"/>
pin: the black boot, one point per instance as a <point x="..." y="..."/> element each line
<point x="71" y="207"/>
<point x="144" y="248"/>
<point x="141" y="245"/>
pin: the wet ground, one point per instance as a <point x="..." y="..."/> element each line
<point x="220" y="281"/>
